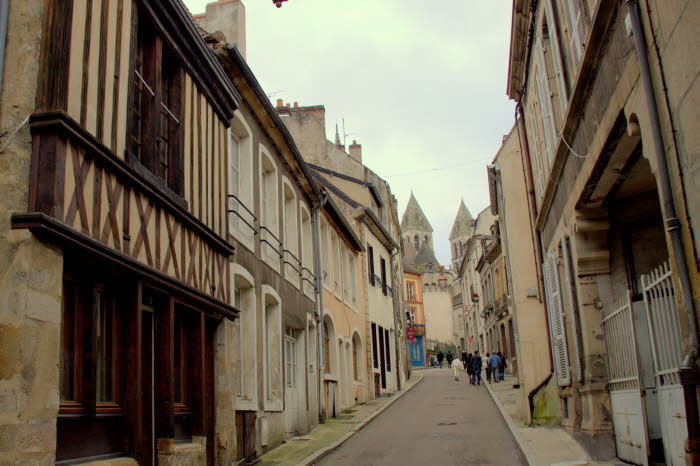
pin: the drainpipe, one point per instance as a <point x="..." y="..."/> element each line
<point x="509" y="273"/>
<point x="319" y="301"/>
<point x="4" y="7"/>
<point x="673" y="225"/>
<point x="396" y="327"/>
<point x="668" y="207"/>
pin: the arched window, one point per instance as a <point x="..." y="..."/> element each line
<point x="416" y="242"/>
<point x="356" y="357"/>
<point x="326" y="350"/>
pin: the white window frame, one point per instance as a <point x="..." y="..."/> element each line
<point x="576" y="30"/>
<point x="246" y="357"/>
<point x="337" y="277"/>
<point x="552" y="26"/>
<point x="290" y="233"/>
<point x="269" y="208"/>
<point x="272" y="348"/>
<point x="307" y="251"/>
<point x="546" y="113"/>
<point x="326" y="266"/>
<point x="243" y="188"/>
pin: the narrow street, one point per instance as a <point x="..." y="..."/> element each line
<point x="438" y="422"/>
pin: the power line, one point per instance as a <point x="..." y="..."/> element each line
<point x="430" y="170"/>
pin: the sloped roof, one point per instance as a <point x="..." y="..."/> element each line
<point x="462" y="223"/>
<point x="425" y="256"/>
<point x="414" y="218"/>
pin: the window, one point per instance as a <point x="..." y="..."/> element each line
<point x="336" y="264"/>
<point x="326" y="350"/>
<point x="553" y="33"/>
<point x="307" y="253"/>
<point x="534" y="141"/>
<point x="240" y="190"/>
<point x="353" y="278"/>
<point x="237" y="292"/>
<point x="290" y="238"/>
<point x="546" y="113"/>
<point x="412" y="314"/>
<point x="375" y="359"/>
<point x="344" y="257"/>
<point x="355" y="358"/>
<point x="156" y="101"/>
<point x="388" y="352"/>
<point x="576" y="29"/>
<point x="383" y="266"/>
<point x="410" y="291"/>
<point x="325" y="257"/>
<point x="269" y="227"/>
<point x="416" y="242"/>
<point x="245" y="333"/>
<point x="290" y="358"/>
<point x="370" y="264"/>
<point x="272" y="349"/>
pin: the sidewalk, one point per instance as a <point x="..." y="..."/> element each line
<point x="326" y="437"/>
<point x="537" y="442"/>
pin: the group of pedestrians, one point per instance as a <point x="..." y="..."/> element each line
<point x="495" y="366"/>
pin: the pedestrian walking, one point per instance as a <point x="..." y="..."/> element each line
<point x="476" y="369"/>
<point x="493" y="364"/>
<point x="487" y="367"/>
<point x="468" y="366"/>
<point x="449" y="358"/>
<point x="502" y="367"/>
<point x="464" y="359"/>
<point x="440" y="357"/>
<point x="456" y="367"/>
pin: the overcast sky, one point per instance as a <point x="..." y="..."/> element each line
<point x="420" y="84"/>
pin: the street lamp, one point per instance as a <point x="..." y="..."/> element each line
<point x="278" y="3"/>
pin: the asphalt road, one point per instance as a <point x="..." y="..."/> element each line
<point x="438" y="422"/>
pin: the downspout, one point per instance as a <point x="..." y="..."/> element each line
<point x="396" y="327"/>
<point x="673" y="225"/>
<point x="319" y="301"/>
<point x="4" y="7"/>
<point x="509" y="273"/>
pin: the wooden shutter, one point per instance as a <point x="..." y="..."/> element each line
<point x="556" y="320"/>
<point x="544" y="98"/>
<point x="577" y="30"/>
<point x="557" y="56"/>
<point x="534" y="141"/>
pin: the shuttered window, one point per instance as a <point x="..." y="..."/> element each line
<point x="544" y="98"/>
<point x="534" y="141"/>
<point x="556" y="56"/>
<point x="576" y="30"/>
<point x="556" y="320"/>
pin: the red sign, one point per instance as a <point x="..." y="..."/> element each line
<point x="470" y="339"/>
<point x="409" y="334"/>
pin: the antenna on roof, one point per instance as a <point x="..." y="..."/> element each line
<point x="274" y="93"/>
<point x="346" y="134"/>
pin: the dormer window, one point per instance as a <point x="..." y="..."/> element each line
<point x="155" y="108"/>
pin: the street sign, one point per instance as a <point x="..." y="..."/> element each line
<point x="470" y="339"/>
<point x="409" y="334"/>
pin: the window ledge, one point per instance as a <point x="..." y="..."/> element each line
<point x="157" y="181"/>
<point x="113" y="462"/>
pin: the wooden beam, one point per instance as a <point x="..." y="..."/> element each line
<point x="164" y="370"/>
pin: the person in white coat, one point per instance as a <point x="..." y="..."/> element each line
<point x="456" y="367"/>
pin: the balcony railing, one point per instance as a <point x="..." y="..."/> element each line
<point x="237" y="212"/>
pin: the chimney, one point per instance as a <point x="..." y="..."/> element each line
<point x="355" y="151"/>
<point x="280" y="103"/>
<point x="228" y="16"/>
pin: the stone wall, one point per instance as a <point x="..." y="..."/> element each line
<point x="30" y="272"/>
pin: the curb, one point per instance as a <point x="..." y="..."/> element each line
<point x="318" y="454"/>
<point x="525" y="448"/>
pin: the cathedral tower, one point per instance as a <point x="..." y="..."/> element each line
<point x="462" y="229"/>
<point x="415" y="227"/>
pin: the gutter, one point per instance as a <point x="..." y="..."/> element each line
<point x="396" y="327"/>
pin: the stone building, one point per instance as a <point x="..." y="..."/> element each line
<point x="413" y="299"/>
<point x="526" y="300"/>
<point x="459" y="235"/>
<point x="117" y="304"/>
<point x="606" y="93"/>
<point x="436" y="280"/>
<point x="366" y="199"/>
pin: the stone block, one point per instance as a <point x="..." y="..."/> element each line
<point x="10" y="345"/>
<point x="36" y="438"/>
<point x="8" y="438"/>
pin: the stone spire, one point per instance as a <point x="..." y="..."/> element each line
<point x="337" y="137"/>
<point x="463" y="223"/>
<point x="414" y="219"/>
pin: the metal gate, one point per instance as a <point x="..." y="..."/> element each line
<point x="667" y="347"/>
<point x="624" y="381"/>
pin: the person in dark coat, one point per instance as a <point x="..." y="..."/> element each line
<point x="468" y="366"/>
<point x="464" y="359"/>
<point x="449" y="359"/>
<point x="440" y="357"/>
<point x="476" y="368"/>
<point x="502" y="367"/>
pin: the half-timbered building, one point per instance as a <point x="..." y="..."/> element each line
<point x="124" y="191"/>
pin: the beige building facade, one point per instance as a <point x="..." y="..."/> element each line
<point x="606" y="92"/>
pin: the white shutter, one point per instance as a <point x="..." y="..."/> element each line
<point x="534" y="140"/>
<point x="544" y="98"/>
<point x="556" y="321"/>
<point x="557" y="57"/>
<point x="577" y="32"/>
